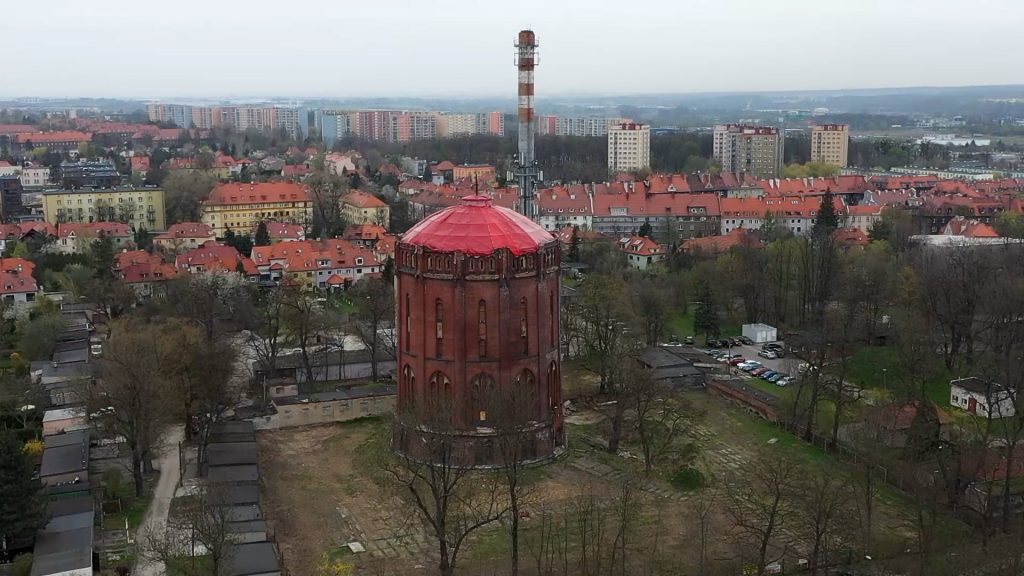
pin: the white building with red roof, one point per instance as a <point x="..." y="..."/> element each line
<point x="315" y="264"/>
<point x="184" y="236"/>
<point x="642" y="253"/>
<point x="364" y="234"/>
<point x="77" y="238"/>
<point x="18" y="288"/>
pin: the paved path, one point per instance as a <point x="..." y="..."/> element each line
<point x="156" y="515"/>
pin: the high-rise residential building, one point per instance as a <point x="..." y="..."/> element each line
<point x="295" y="122"/>
<point x="202" y="117"/>
<point x="629" y="147"/>
<point x="577" y="125"/>
<point x="755" y="150"/>
<point x="830" y="144"/>
<point x="333" y="125"/>
<point x="180" y="114"/>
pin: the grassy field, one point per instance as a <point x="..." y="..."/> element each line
<point x="681" y="324"/>
<point x="881" y="367"/>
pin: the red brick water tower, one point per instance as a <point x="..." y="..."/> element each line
<point x="477" y="290"/>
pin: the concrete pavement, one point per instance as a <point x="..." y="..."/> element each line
<point x="160" y="505"/>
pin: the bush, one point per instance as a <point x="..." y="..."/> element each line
<point x="22" y="565"/>
<point x="114" y="485"/>
<point x="687" y="478"/>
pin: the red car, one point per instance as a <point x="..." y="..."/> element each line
<point x="759" y="371"/>
<point x="737" y="360"/>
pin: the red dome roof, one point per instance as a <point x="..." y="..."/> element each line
<point x="477" y="227"/>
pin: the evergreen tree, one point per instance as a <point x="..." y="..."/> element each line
<point x="827" y="220"/>
<point x="574" y="245"/>
<point x="705" y="317"/>
<point x="103" y="255"/>
<point x="262" y="235"/>
<point x="645" y="230"/>
<point x="22" y="501"/>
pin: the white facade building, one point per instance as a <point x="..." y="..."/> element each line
<point x="629" y="147"/>
<point x="987" y="399"/>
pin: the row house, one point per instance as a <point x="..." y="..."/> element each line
<point x="863" y="216"/>
<point x="364" y="234"/>
<point x="936" y="212"/>
<point x="359" y="207"/>
<point x="330" y="264"/>
<point x="620" y="211"/>
<point x="285" y="232"/>
<point x="243" y="206"/>
<point x="56" y="141"/>
<point x="562" y="206"/>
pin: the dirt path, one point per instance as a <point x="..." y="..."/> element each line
<point x="156" y="514"/>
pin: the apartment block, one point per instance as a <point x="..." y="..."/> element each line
<point x="830" y="144"/>
<point x="755" y="150"/>
<point x="333" y="125"/>
<point x="629" y="147"/>
<point x="137" y="207"/>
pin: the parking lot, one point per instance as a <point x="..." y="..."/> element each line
<point x="787" y="365"/>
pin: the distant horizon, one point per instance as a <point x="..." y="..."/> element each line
<point x="260" y="98"/>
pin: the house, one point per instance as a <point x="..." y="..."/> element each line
<point x="641" y="253"/>
<point x="358" y="207"/>
<point x="890" y="425"/>
<point x="671" y="369"/>
<point x="315" y="264"/>
<point x="18" y="286"/>
<point x="77" y="238"/>
<point x="285" y="232"/>
<point x="981" y="397"/>
<point x="339" y="405"/>
<point x="214" y="256"/>
<point x="184" y="236"/>
<point x="969" y="228"/>
<point x="850" y="237"/>
<point x="364" y="234"/>
<point x="143" y="271"/>
<point x="863" y="216"/>
<point x="562" y="206"/>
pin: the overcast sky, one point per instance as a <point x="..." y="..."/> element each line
<point x="342" y="48"/>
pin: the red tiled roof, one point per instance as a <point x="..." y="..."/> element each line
<point x="850" y="237"/>
<point x="901" y="416"/>
<point x="443" y="165"/>
<point x="718" y="244"/>
<point x="364" y="232"/>
<point x="16" y="276"/>
<point x="335" y="280"/>
<point x="361" y="199"/>
<point x="140" y="163"/>
<point x="134" y="266"/>
<point x="187" y="230"/>
<point x="44" y="138"/>
<point x="285" y="231"/>
<point x="260" y="192"/>
<point x="37" y="226"/>
<point x="641" y="245"/>
<point x="212" y="256"/>
<point x="16" y="128"/>
<point x="304" y="255"/>
<point x="296" y="170"/>
<point x="94" y="229"/>
<point x="969" y="228"/>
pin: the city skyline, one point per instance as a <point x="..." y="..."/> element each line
<point x="395" y="49"/>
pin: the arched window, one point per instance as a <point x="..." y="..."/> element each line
<point x="439" y="322"/>
<point x="482" y="393"/>
<point x="440" y="394"/>
<point x="552" y="320"/>
<point x="552" y="392"/>
<point x="526" y="389"/>
<point x="406" y="389"/>
<point x="481" y="313"/>
<point x="524" y="326"/>
<point x="408" y="323"/>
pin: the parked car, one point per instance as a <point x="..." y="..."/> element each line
<point x="688" y="340"/>
<point x="777" y="377"/>
<point x="768" y="374"/>
<point x="746" y="341"/>
<point x="758" y="371"/>
<point x="737" y="361"/>
<point x="771" y="346"/>
<point x="767" y="354"/>
<point x="714" y="344"/>
<point x="784" y="381"/>
<point x="751" y="365"/>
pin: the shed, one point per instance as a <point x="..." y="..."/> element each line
<point x="245" y="474"/>
<point x="232" y="454"/>
<point x="59" y="420"/>
<point x="760" y="333"/>
<point x="253" y="559"/>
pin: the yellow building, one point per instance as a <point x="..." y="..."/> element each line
<point x="137" y="207"/>
<point x="358" y="207"/>
<point x="241" y="207"/>
<point x="830" y="144"/>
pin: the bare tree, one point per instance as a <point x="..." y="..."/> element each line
<point x="824" y="505"/>
<point x="660" y="417"/>
<point x="208" y="297"/>
<point x="375" y="314"/>
<point x="705" y="504"/>
<point x="305" y="320"/>
<point x="761" y="504"/>
<point x="439" y="482"/>
<point x="131" y="392"/>
<point x="605" y="318"/>
<point x="266" y="328"/>
<point x="202" y="524"/>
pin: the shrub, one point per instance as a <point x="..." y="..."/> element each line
<point x="22" y="565"/>
<point x="687" y="478"/>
